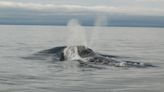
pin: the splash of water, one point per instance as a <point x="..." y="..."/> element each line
<point x="71" y="53"/>
<point x="77" y="35"/>
<point x="101" y="20"/>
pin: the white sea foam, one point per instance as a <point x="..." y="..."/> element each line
<point x="71" y="53"/>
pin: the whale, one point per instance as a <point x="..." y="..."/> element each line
<point x="86" y="56"/>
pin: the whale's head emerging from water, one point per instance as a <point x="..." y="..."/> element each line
<point x="85" y="55"/>
<point x="77" y="53"/>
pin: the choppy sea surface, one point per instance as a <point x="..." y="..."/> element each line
<point x="24" y="75"/>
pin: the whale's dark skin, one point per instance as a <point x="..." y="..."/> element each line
<point x="88" y="56"/>
<point x="56" y="52"/>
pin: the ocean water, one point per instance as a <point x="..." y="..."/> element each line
<point x="134" y="43"/>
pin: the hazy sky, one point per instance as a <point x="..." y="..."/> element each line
<point x="135" y="7"/>
<point x="136" y="12"/>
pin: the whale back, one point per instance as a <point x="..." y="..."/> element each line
<point x="86" y="56"/>
<point x="85" y="52"/>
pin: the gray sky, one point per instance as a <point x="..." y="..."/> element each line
<point x="134" y="7"/>
<point x="59" y="12"/>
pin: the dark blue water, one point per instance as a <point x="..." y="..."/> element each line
<point x="25" y="75"/>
